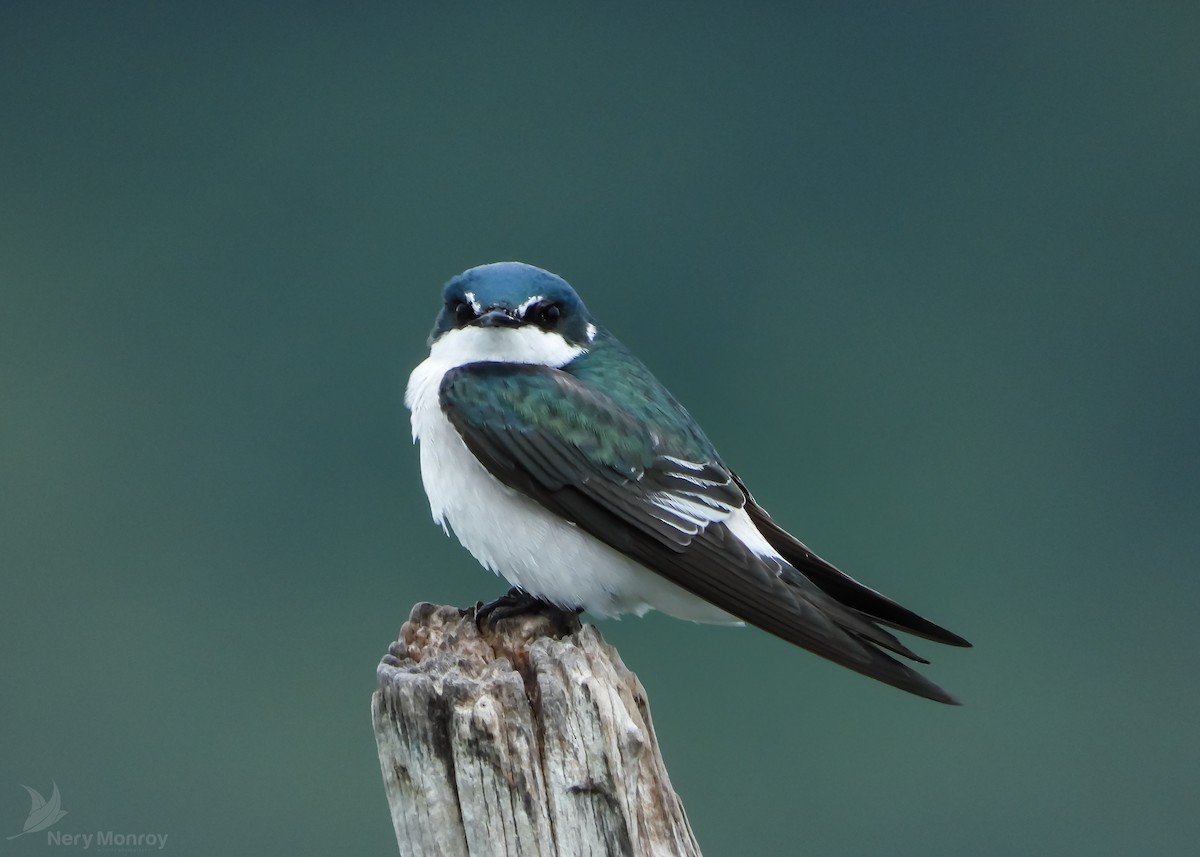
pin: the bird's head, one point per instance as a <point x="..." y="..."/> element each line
<point x="512" y="312"/>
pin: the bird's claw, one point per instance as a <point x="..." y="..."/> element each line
<point x="518" y="602"/>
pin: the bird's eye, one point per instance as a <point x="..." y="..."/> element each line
<point x="544" y="315"/>
<point x="463" y="312"/>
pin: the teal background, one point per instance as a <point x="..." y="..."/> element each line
<point x="927" y="274"/>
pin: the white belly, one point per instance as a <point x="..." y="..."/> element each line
<point x="515" y="537"/>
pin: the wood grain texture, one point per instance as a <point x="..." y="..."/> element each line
<point x="528" y="739"/>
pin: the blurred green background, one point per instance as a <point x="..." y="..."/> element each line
<point x="928" y="274"/>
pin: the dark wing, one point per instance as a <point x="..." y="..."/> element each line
<point x="651" y="496"/>
<point x="841" y="586"/>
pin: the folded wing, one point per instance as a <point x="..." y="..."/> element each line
<point x="666" y="501"/>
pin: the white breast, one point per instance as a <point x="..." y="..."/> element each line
<point x="506" y="531"/>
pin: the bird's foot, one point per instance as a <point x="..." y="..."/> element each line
<point x="518" y="602"/>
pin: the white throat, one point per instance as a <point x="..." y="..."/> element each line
<point x="524" y="344"/>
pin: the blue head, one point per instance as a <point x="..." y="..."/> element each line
<point x="513" y="295"/>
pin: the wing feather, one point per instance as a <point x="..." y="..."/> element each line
<point x="665" y="501"/>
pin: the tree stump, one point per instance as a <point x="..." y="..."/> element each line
<point x="527" y="739"/>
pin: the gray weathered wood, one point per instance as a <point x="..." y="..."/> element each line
<point x="519" y="742"/>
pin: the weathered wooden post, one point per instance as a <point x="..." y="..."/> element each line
<point x="528" y="739"/>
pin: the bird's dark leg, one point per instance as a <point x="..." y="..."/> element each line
<point x="518" y="602"/>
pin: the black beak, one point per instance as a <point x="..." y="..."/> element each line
<point x="497" y="318"/>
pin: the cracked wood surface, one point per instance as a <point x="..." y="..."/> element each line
<point x="528" y="739"/>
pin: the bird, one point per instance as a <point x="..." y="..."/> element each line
<point x="563" y="465"/>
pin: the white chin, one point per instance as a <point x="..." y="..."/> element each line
<point x="524" y="344"/>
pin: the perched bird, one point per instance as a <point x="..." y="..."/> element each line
<point x="562" y="464"/>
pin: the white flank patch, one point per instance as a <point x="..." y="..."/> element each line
<point x="503" y="529"/>
<point x="743" y="528"/>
